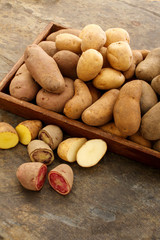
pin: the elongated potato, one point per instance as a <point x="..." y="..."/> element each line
<point x="28" y="130"/>
<point x="79" y="102"/>
<point x="52" y="135"/>
<point x="101" y="111"/>
<point x="23" y="85"/>
<point x="127" y="113"/>
<point x="8" y="136"/>
<point x="108" y="78"/>
<point x="32" y="175"/>
<point x="67" y="63"/>
<point x="92" y="36"/>
<point x="61" y="179"/>
<point x="137" y="138"/>
<point x="91" y="152"/>
<point x="89" y="64"/>
<point x="67" y="41"/>
<point x="119" y="55"/>
<point x="44" y="69"/>
<point x="111" y="128"/>
<point x="39" y="151"/>
<point x="52" y="36"/>
<point x="116" y="35"/>
<point x="49" y="47"/>
<point x="55" y="102"/>
<point x="67" y="150"/>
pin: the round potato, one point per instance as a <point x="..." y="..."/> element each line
<point x="93" y="37"/>
<point x="103" y="51"/>
<point x="120" y="55"/>
<point x="116" y="35"/>
<point x="148" y="97"/>
<point x="56" y="102"/>
<point x="67" y="41"/>
<point x="67" y="63"/>
<point x="52" y="36"/>
<point x="49" y="47"/>
<point x="155" y="83"/>
<point x="89" y="64"/>
<point x="108" y="78"/>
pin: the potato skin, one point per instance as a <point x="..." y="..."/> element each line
<point x="111" y="128"/>
<point x="150" y="125"/>
<point x="52" y="36"/>
<point x="137" y="138"/>
<point x="155" y="84"/>
<point x="23" y="85"/>
<point x="148" y="97"/>
<point x="44" y="69"/>
<point x="89" y="64"/>
<point x="92" y="36"/>
<point x="49" y="47"/>
<point x="67" y="63"/>
<point x="101" y="111"/>
<point x="79" y="102"/>
<point x="95" y="93"/>
<point x="56" y="102"/>
<point x="108" y="78"/>
<point x="120" y="55"/>
<point x="67" y="41"/>
<point x="116" y="35"/>
<point x="127" y="113"/>
<point x="149" y="68"/>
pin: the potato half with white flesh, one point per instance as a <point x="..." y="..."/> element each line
<point x="91" y="152"/>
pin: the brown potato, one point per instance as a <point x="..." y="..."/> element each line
<point x="93" y="37"/>
<point x="49" y="47"/>
<point x="119" y="55"/>
<point x="137" y="138"/>
<point x="116" y="35"/>
<point x="101" y="111"/>
<point x="79" y="102"/>
<point x="148" y="97"/>
<point x="127" y="113"/>
<point x="111" y="128"/>
<point x="23" y="85"/>
<point x="150" y="125"/>
<point x="95" y="93"/>
<point x="67" y="41"/>
<point x="44" y="69"/>
<point x="67" y="63"/>
<point x="56" y="102"/>
<point x="89" y="64"/>
<point x="149" y="68"/>
<point x="52" y="36"/>
<point x="155" y="84"/>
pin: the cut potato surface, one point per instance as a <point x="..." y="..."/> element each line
<point x="24" y="134"/>
<point x="67" y="150"/>
<point x="91" y="152"/>
<point x="8" y="140"/>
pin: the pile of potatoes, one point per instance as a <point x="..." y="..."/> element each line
<point x="94" y="76"/>
<point x="41" y="143"/>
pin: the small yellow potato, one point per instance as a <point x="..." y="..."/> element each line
<point x="49" y="47"/>
<point x="52" y="135"/>
<point x="89" y="64"/>
<point x="8" y="136"/>
<point x="101" y="111"/>
<point x="91" y="152"/>
<point x="137" y="138"/>
<point x="119" y="55"/>
<point x="61" y="179"/>
<point x="108" y="78"/>
<point x="39" y="151"/>
<point x="67" y="149"/>
<point x="67" y="41"/>
<point x="23" y="85"/>
<point x="92" y="36"/>
<point x="79" y="102"/>
<point x="111" y="128"/>
<point x="52" y="36"/>
<point x="28" y="130"/>
<point x="127" y="112"/>
<point x="44" y="69"/>
<point x="116" y="35"/>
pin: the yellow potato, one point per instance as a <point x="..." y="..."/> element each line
<point x="116" y="35"/>
<point x="108" y="78"/>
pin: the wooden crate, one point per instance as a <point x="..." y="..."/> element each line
<point x="28" y="110"/>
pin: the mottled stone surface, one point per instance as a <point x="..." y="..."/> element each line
<point x="118" y="199"/>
